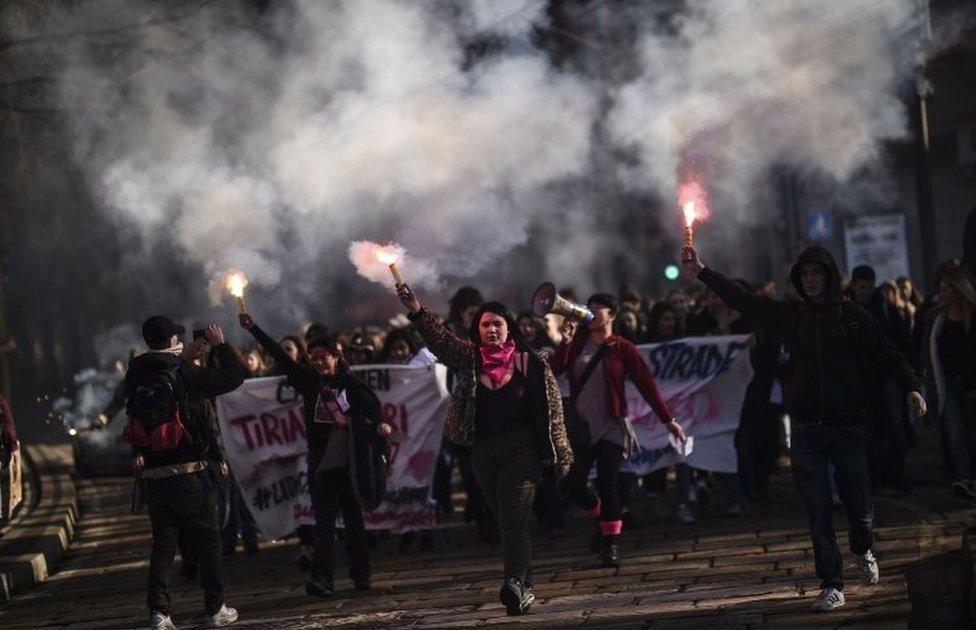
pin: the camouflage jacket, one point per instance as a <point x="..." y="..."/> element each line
<point x="463" y="357"/>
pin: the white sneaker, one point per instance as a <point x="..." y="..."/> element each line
<point x="829" y="599"/>
<point x="224" y="617"/>
<point x="159" y="621"/>
<point x="868" y="566"/>
<point x="684" y="514"/>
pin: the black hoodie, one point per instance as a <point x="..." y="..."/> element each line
<point x="199" y="384"/>
<point x="368" y="451"/>
<point x="364" y="405"/>
<point x="832" y="344"/>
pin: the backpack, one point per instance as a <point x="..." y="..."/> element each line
<point x="156" y="408"/>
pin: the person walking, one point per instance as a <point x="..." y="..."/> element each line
<point x="506" y="409"/>
<point x="829" y="339"/>
<point x="950" y="360"/>
<point x="347" y="453"/>
<point x="598" y="363"/>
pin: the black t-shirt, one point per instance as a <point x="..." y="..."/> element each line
<point x="953" y="346"/>
<point x="503" y="410"/>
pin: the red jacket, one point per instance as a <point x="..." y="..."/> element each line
<point x="620" y="361"/>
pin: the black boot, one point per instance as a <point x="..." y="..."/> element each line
<point x="609" y="554"/>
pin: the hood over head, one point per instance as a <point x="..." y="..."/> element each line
<point x="822" y="256"/>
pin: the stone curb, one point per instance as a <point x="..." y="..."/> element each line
<point x="36" y="540"/>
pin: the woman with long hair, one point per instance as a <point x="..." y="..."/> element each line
<point x="910" y="297"/>
<point x="346" y="436"/>
<point x="506" y="408"/>
<point x="950" y="360"/>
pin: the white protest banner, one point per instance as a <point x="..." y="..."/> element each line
<point x="264" y="439"/>
<point x="415" y="401"/>
<point x="263" y="434"/>
<point x="703" y="380"/>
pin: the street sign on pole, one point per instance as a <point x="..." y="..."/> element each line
<point x="819" y="225"/>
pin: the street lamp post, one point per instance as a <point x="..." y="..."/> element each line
<point x="923" y="164"/>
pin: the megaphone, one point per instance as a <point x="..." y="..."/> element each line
<point x="545" y="300"/>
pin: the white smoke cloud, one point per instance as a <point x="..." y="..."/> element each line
<point x="745" y="85"/>
<point x="348" y="119"/>
<point x="261" y="142"/>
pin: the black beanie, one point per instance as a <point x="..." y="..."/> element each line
<point x="604" y="299"/>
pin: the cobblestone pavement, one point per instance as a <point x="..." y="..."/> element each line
<point x="721" y="572"/>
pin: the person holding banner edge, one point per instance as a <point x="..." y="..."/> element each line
<point x="598" y="362"/>
<point x="347" y="453"/>
<point x="830" y="340"/>
<point x="506" y="408"/>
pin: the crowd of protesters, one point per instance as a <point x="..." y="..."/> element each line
<point x="867" y="363"/>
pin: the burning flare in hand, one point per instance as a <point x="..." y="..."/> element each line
<point x="690" y="215"/>
<point x="694" y="205"/>
<point x="388" y="256"/>
<point x="236" y="283"/>
<point x="373" y="261"/>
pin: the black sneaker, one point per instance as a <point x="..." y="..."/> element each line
<point x="517" y="600"/>
<point x="318" y="587"/>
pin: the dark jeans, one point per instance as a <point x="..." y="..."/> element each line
<point x="816" y="446"/>
<point x="608" y="457"/>
<point x="331" y="493"/>
<point x="508" y="468"/>
<point x="239" y="519"/>
<point x="187" y="503"/>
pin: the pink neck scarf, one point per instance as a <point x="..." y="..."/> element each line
<point x="497" y="361"/>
